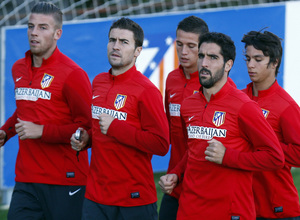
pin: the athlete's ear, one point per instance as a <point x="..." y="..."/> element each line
<point x="137" y="52"/>
<point x="274" y="64"/>
<point x="228" y="65"/>
<point x="57" y="34"/>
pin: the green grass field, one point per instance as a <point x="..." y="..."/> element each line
<point x="295" y="172"/>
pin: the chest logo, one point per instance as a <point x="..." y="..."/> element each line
<point x="172" y="95"/>
<point x="265" y="112"/>
<point x="95" y="96"/>
<point x="190" y="118"/>
<point x="219" y="118"/>
<point x="46" y="81"/>
<point x="120" y="101"/>
<point x="196" y="91"/>
<point x="18" y="79"/>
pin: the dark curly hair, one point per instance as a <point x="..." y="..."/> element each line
<point x="224" y="41"/>
<point x="268" y="43"/>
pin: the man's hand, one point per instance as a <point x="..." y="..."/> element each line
<point x="79" y="145"/>
<point x="104" y="121"/>
<point x="215" y="151"/>
<point x="2" y="137"/>
<point x="168" y="182"/>
<point x="28" y="130"/>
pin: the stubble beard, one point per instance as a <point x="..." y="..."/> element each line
<point x="115" y="64"/>
<point x="208" y="83"/>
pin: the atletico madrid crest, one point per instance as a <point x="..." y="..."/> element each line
<point x="46" y="81"/>
<point x="120" y="101"/>
<point x="219" y="118"/>
<point x="265" y="112"/>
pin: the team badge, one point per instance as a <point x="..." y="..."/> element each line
<point x="120" y="101"/>
<point x="265" y="112"/>
<point x="196" y="91"/>
<point x="46" y="81"/>
<point x="219" y="118"/>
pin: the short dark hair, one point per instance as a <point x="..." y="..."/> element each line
<point x="48" y="8"/>
<point x="268" y="43"/>
<point x="224" y="41"/>
<point x="128" y="24"/>
<point x="193" y="24"/>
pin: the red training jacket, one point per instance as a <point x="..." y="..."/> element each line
<point x="274" y="191"/>
<point x="58" y="96"/>
<point x="213" y="191"/>
<point x="178" y="87"/>
<point x="121" y="172"/>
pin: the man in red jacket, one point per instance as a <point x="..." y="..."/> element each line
<point x="275" y="194"/>
<point x="228" y="138"/>
<point x="129" y="125"/>
<point x="53" y="98"/>
<point x="181" y="83"/>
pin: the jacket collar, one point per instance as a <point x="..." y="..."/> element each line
<point x="124" y="76"/>
<point x="51" y="59"/>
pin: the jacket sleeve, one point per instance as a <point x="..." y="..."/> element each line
<point x="267" y="153"/>
<point x="153" y="136"/>
<point x="78" y="95"/>
<point x="290" y="126"/>
<point x="9" y="126"/>
<point x="168" y="110"/>
<point x="179" y="169"/>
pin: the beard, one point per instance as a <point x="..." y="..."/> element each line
<point x="210" y="82"/>
<point x="115" y="65"/>
<point x="115" y="62"/>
